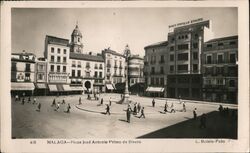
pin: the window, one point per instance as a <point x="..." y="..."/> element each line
<point x="58" y="59"/>
<point x="172" y="48"/>
<point x="195" y="67"/>
<point x="232" y="43"/>
<point x="152" y="70"/>
<point x="73" y="73"/>
<point x="186" y="36"/>
<point x="183" y="67"/>
<point x="64" y="68"/>
<point x="78" y="73"/>
<point x="182" y="47"/>
<point x="157" y="81"/>
<point x="40" y="76"/>
<point x="87" y="74"/>
<point x="73" y="63"/>
<point x="171" y="68"/>
<point x="87" y="65"/>
<point x="209" y="45"/>
<point x="52" y="68"/>
<point x="220" y="58"/>
<point x="162" y="59"/>
<point x="13" y="66"/>
<point x="78" y="39"/>
<point x="162" y="70"/>
<point x="220" y="44"/>
<point x="58" y="50"/>
<point x="196" y="36"/>
<point x="152" y="81"/>
<point x="100" y="66"/>
<point x="195" y="45"/>
<point x="96" y="66"/>
<point x="64" y="51"/>
<point x="40" y="67"/>
<point x="52" y="49"/>
<point x="182" y="56"/>
<point x="232" y="58"/>
<point x="52" y="58"/>
<point x="100" y="74"/>
<point x="220" y="81"/>
<point x="162" y="81"/>
<point x="96" y="74"/>
<point x="209" y="59"/>
<point x="219" y="70"/>
<point x="195" y="55"/>
<point x="108" y="70"/>
<point x="79" y="64"/>
<point x="58" y="68"/>
<point x="64" y="60"/>
<point x="231" y="83"/>
<point x="27" y="68"/>
<point x="27" y="77"/>
<point x="172" y="57"/>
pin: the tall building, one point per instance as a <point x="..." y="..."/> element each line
<point x="87" y="72"/>
<point x="115" y="68"/>
<point x="220" y="78"/>
<point x="185" y="46"/>
<point x="41" y="76"/>
<point x="57" y="55"/>
<point x="135" y="70"/>
<point x="22" y="73"/>
<point x="155" y="69"/>
<point x="76" y="45"/>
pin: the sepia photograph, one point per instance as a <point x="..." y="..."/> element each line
<point x="125" y="75"/>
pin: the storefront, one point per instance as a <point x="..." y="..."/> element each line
<point x="22" y="89"/>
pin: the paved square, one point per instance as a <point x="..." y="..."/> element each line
<point x="88" y="121"/>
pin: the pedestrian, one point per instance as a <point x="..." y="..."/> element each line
<point x="89" y="96"/>
<point x="221" y="109"/>
<point x="142" y="113"/>
<point x="68" y="108"/>
<point x="153" y="102"/>
<point x="110" y="101"/>
<point x="39" y="107"/>
<point x="101" y="101"/>
<point x="128" y="113"/>
<point x="23" y="94"/>
<point x="166" y="107"/>
<point x="23" y="101"/>
<point x="57" y="106"/>
<point x="138" y="107"/>
<point x="80" y="101"/>
<point x="203" y="121"/>
<point x="53" y="103"/>
<point x="172" y="105"/>
<point x="184" y="107"/>
<point x="194" y="114"/>
<point x="135" y="109"/>
<point x="34" y="100"/>
<point x="16" y="98"/>
<point x="29" y="100"/>
<point x="107" y="109"/>
<point x="63" y="101"/>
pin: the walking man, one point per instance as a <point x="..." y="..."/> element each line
<point x="195" y="114"/>
<point x="68" y="108"/>
<point x="63" y="101"/>
<point x="135" y="109"/>
<point x="138" y="107"/>
<point x="128" y="113"/>
<point x="39" y="107"/>
<point x="57" y="106"/>
<point x="184" y="107"/>
<point x="107" y="109"/>
<point x="53" y="103"/>
<point x="142" y="113"/>
<point x="29" y="100"/>
<point x="23" y="101"/>
<point x="166" y="107"/>
<point x="153" y="102"/>
<point x="109" y="101"/>
<point x="101" y="101"/>
<point x="80" y="101"/>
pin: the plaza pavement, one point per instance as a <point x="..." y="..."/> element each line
<point x="88" y="121"/>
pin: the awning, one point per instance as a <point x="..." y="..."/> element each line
<point x="41" y="86"/>
<point x="76" y="88"/>
<point x="59" y="87"/>
<point x="22" y="86"/>
<point x="66" y="87"/>
<point x="155" y="89"/>
<point x="52" y="87"/>
<point x="109" y="86"/>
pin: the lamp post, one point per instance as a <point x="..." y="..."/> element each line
<point x="125" y="99"/>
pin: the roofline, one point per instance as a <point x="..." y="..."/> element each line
<point x="161" y="43"/>
<point x="222" y="38"/>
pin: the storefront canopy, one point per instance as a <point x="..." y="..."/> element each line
<point x="52" y="88"/>
<point x="155" y="89"/>
<point x="109" y="86"/>
<point x="76" y="88"/>
<point x="22" y="86"/>
<point x="66" y="87"/>
<point x="41" y="86"/>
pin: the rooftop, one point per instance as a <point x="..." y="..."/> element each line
<point x="161" y="43"/>
<point x="86" y="57"/>
<point x="108" y="50"/>
<point x="56" y="40"/>
<point x="223" y="38"/>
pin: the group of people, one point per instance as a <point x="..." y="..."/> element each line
<point x="23" y="101"/>
<point x="56" y="105"/>
<point x="137" y="109"/>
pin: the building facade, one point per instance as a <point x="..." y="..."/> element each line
<point x="155" y="69"/>
<point x="115" y="68"/>
<point x="220" y="77"/>
<point x="41" y="77"/>
<point x="185" y="46"/>
<point x="57" y="54"/>
<point x="135" y="70"/>
<point x="22" y="73"/>
<point x="87" y="72"/>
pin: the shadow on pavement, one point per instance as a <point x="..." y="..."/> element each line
<point x="217" y="126"/>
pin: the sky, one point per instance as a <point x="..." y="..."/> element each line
<point x="110" y="27"/>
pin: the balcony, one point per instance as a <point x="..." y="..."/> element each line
<point x="100" y="67"/>
<point x="117" y="75"/>
<point x="87" y="66"/>
<point x="145" y="63"/>
<point x="27" y="70"/>
<point x="161" y="62"/>
<point x="95" y="67"/>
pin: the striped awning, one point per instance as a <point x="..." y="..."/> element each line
<point x="22" y="86"/>
<point x="59" y="87"/>
<point x="155" y="89"/>
<point x="66" y="87"/>
<point x="109" y="86"/>
<point x="41" y="86"/>
<point x="52" y="88"/>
